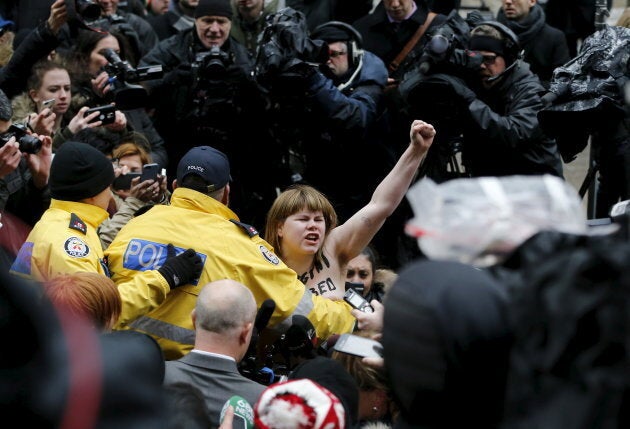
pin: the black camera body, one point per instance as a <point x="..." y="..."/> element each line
<point x="88" y="9"/>
<point x="28" y="143"/>
<point x="446" y="52"/>
<point x="284" y="43"/>
<point x="210" y="64"/>
<point x="123" y="78"/>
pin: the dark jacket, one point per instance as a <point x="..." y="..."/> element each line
<point x="502" y="135"/>
<point x="169" y="23"/>
<point x="224" y="109"/>
<point x="318" y="12"/>
<point x="383" y="39"/>
<point x="333" y="129"/>
<point x="37" y="45"/>
<point x="19" y="196"/>
<point x="545" y="46"/>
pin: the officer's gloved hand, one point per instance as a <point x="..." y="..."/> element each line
<point x="181" y="269"/>
<point x="457" y="84"/>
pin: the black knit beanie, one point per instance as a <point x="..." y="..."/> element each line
<point x="79" y="171"/>
<point x="214" y="8"/>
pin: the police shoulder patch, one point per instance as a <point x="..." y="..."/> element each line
<point x="250" y="230"/>
<point x="76" y="247"/>
<point x="269" y="255"/>
<point x="77" y="224"/>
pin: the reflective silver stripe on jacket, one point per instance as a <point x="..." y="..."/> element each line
<point x="304" y="307"/>
<point x="165" y="330"/>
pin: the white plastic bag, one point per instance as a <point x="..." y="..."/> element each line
<point x="480" y="220"/>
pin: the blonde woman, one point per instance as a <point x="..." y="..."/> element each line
<point x="302" y="224"/>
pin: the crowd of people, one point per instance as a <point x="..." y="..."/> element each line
<point x="136" y="301"/>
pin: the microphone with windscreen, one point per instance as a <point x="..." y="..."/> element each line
<point x="243" y="413"/>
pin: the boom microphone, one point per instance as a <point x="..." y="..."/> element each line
<point x="243" y="413"/>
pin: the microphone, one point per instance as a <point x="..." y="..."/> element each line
<point x="243" y="413"/>
<point x="263" y="316"/>
<point x="498" y="76"/>
<point x="510" y="67"/>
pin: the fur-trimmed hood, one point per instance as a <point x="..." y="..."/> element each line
<point x="22" y="107"/>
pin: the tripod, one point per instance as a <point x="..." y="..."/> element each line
<point x="590" y="184"/>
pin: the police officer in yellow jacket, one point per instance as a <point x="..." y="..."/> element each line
<point x="199" y="217"/>
<point x="64" y="240"/>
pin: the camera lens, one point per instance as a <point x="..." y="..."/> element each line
<point x="88" y="9"/>
<point x="29" y="144"/>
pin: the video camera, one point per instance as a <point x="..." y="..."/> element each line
<point x="446" y="52"/>
<point x="284" y="43"/>
<point x="123" y="78"/>
<point x="210" y="64"/>
<point x="28" y="143"/>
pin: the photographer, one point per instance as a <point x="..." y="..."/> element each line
<point x="335" y="112"/>
<point x="24" y="169"/>
<point x="94" y="89"/>
<point x="501" y="133"/>
<point x="207" y="94"/>
<point x="137" y="30"/>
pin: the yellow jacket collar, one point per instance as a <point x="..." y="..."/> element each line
<point x="193" y="200"/>
<point x="90" y="214"/>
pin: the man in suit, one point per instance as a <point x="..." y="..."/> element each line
<point x="224" y="320"/>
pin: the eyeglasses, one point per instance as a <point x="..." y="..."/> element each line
<point x="334" y="54"/>
<point x="489" y="59"/>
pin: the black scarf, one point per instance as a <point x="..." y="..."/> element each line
<point x="526" y="29"/>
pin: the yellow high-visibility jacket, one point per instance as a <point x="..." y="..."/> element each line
<point x="229" y="249"/>
<point x="63" y="241"/>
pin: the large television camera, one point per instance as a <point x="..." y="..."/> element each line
<point x="445" y="53"/>
<point x="123" y="78"/>
<point x="285" y="43"/>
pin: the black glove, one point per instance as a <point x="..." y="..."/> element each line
<point x="181" y="269"/>
<point x="298" y="74"/>
<point x="457" y="84"/>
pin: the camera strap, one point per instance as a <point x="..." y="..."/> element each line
<point x="393" y="66"/>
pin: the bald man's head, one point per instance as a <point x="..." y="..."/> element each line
<point x="223" y="306"/>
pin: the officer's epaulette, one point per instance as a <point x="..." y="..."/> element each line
<point x="250" y="230"/>
<point x="77" y="223"/>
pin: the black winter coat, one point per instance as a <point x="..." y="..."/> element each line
<point x="502" y="135"/>
<point x="545" y="46"/>
<point x="382" y="38"/>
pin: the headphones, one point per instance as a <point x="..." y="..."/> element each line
<point x="510" y="39"/>
<point x="355" y="44"/>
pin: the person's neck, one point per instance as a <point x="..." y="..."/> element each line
<point x="214" y="343"/>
